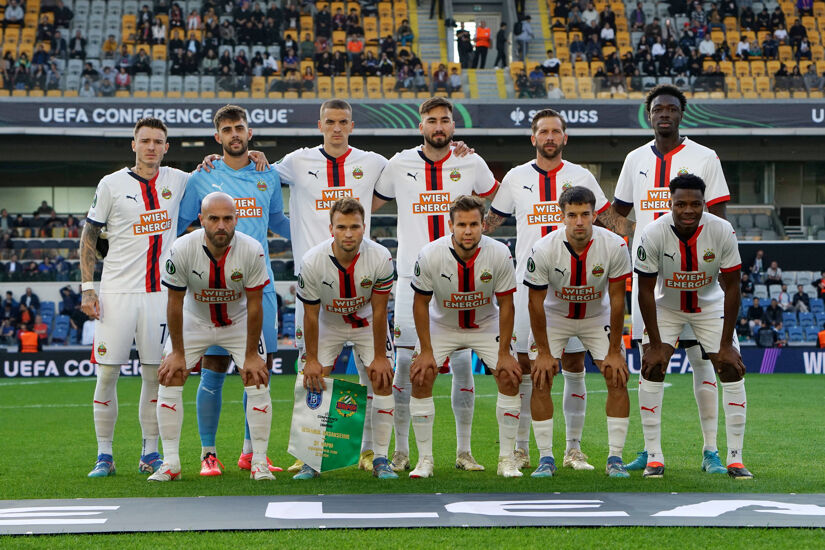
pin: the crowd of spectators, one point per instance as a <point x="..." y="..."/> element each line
<point x="26" y="315"/>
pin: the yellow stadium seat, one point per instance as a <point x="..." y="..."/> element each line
<point x="324" y="87"/>
<point x="568" y="87"/>
<point x="356" y="87"/>
<point x="291" y="95"/>
<point x="734" y="95"/>
<point x="374" y="87"/>
<point x="785" y="53"/>
<point x="741" y="68"/>
<point x="757" y="67"/>
<point x="275" y="95"/>
<point x="54" y="93"/>
<point x="798" y="94"/>
<point x="581" y="70"/>
<point x="783" y="94"/>
<point x="726" y="67"/>
<point x="190" y="95"/>
<point x="339" y="86"/>
<point x="746" y="85"/>
<point x="701" y="95"/>
<point x="560" y="39"/>
<point x="339" y="38"/>
<point x="225" y="95"/>
<point x="141" y="93"/>
<point x="159" y="52"/>
<point x="772" y="66"/>
<point x="763" y="84"/>
<point x="157" y="94"/>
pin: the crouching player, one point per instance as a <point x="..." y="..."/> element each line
<point x="585" y="268"/>
<point x="457" y="280"/>
<point x="345" y="284"/>
<point x="215" y="278"/>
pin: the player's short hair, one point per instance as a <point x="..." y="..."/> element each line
<point x="151" y="122"/>
<point x="577" y="195"/>
<point x="433" y="103"/>
<point x="687" y="181"/>
<point x="547" y="113"/>
<point x="335" y="103"/>
<point x="466" y="203"/>
<point x="346" y="206"/>
<point x="665" y="89"/>
<point x="229" y="112"/>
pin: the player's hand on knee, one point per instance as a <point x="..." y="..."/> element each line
<point x="421" y="367"/>
<point x="261" y="164"/>
<point x="172" y="369"/>
<point x="544" y="369"/>
<point x="380" y="373"/>
<point x="90" y="305"/>
<point x="207" y="164"/>
<point x="314" y="376"/>
<point x="654" y="362"/>
<point x="508" y="366"/>
<point x="615" y="370"/>
<point x="729" y="360"/>
<point x="255" y="371"/>
<point x="461" y="149"/>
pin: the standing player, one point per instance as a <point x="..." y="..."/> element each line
<point x="457" y="281"/>
<point x="585" y="268"/>
<point x="139" y="207"/>
<point x="424" y="181"/>
<point x="216" y="277"/>
<point x="689" y="270"/>
<point x="345" y="284"/>
<point x="258" y="199"/>
<point x="643" y="186"/>
<point x="531" y="191"/>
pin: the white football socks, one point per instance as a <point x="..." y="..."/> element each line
<point x="707" y="396"/>
<point x="382" y="416"/>
<point x="148" y="409"/>
<point x="401" y="391"/>
<point x="259" y="418"/>
<point x="650" y="407"/>
<point x="364" y="380"/>
<point x="734" y="403"/>
<point x="525" y="390"/>
<point x="508" y="409"/>
<point x="574" y="405"/>
<point x="104" y="405"/>
<point x="543" y="432"/>
<point x="463" y="398"/>
<point x="423" y="417"/>
<point x="170" y="420"/>
<point x="616" y="435"/>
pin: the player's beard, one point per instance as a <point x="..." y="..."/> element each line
<point x="468" y="249"/>
<point x="443" y="141"/>
<point x="217" y="239"/>
<point x="550" y="156"/>
<point x="236" y="153"/>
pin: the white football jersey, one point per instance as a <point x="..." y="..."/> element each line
<point x="216" y="287"/>
<point x="317" y="180"/>
<point x="578" y="283"/>
<point x="688" y="270"/>
<point x="646" y="174"/>
<point x="463" y="292"/>
<point x="424" y="190"/>
<point x="141" y="219"/>
<point x="344" y="293"/>
<point x="532" y="195"/>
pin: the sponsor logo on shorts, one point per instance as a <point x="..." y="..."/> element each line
<point x="152" y="223"/>
<point x="486" y="276"/>
<point x="396" y="331"/>
<point x="300" y="281"/>
<point x="346" y="405"/>
<point x="432" y="203"/>
<point x="514" y="338"/>
<point x="598" y="270"/>
<point x="170" y="267"/>
<point x="314" y="399"/>
<point x="656" y="201"/>
<point x="262" y="186"/>
<point x="690" y="280"/>
<point x="299" y="333"/>
<point x="357" y="173"/>
<point x="236" y="275"/>
<point x="455" y="175"/>
<point x="247" y="207"/>
<point x="545" y="213"/>
<point x="533" y="348"/>
<point x="709" y="255"/>
<point x="417" y="269"/>
<point x="101" y="349"/>
<point x="366" y="282"/>
<point x="329" y="196"/>
<point x="166" y="193"/>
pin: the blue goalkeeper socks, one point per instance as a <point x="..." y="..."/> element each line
<point x="208" y="402"/>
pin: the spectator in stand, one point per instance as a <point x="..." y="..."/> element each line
<point x="10" y="302"/>
<point x="77" y="46"/>
<point x="501" y="46"/>
<point x="773" y="275"/>
<point x="123" y="80"/>
<point x="388" y="46"/>
<point x="39" y="78"/>
<point x="403" y="78"/>
<point x="777" y="18"/>
<point x="62" y="15"/>
<point x="773" y="313"/>
<point x="306" y="49"/>
<point x="14" y="14"/>
<point x="45" y="30"/>
<point x="551" y="65"/>
<point x="109" y="47"/>
<point x="323" y="23"/>
<point x="756" y="313"/>
<point x="30" y="300"/>
<point x="59" y="48"/>
<point x="821" y="337"/>
<point x="554" y="92"/>
<point x="796" y="33"/>
<point x="290" y="61"/>
<point x="801" y="301"/>
<point x="524" y="37"/>
<point x="270" y="64"/>
<point x="819" y="284"/>
<point x="763" y="20"/>
<point x="194" y="22"/>
<point x="339" y="20"/>
<point x="322" y="45"/>
<point x="743" y="49"/>
<point x="323" y="66"/>
<point x="354" y="22"/>
<point x="805" y="7"/>
<point x="141" y="63"/>
<point x="404" y="34"/>
<point x="592" y="50"/>
<point x="758" y="266"/>
<point x="577" y="49"/>
<point x="385" y="66"/>
<point x="803" y="51"/>
<point x="770" y="336"/>
<point x="7" y="331"/>
<point x="607" y="35"/>
<point x="440" y="78"/>
<point x="483" y="35"/>
<point x="158" y="31"/>
<point x="370" y="64"/>
<point x="77" y="318"/>
<point x="14" y="268"/>
<point x="41" y="328"/>
<point x="743" y="330"/>
<point x="70" y="299"/>
<point x="770" y="47"/>
<point x="522" y="84"/>
<point x="28" y="340"/>
<point x="812" y="80"/>
<point x="24" y="315"/>
<point x="465" y="49"/>
<point x="339" y="63"/>
<point x="574" y="19"/>
<point x="637" y="18"/>
<point x="590" y="15"/>
<point x="536" y="82"/>
<point x="784" y="298"/>
<point x="454" y="84"/>
<point x="308" y="80"/>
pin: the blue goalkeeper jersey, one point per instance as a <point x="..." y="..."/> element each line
<point x="257" y="198"/>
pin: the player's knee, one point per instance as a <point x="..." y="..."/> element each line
<point x="728" y="373"/>
<point x="573" y="362"/>
<point x="380" y="386"/>
<point x="177" y="379"/>
<point x="655" y="375"/>
<point x="216" y="363"/>
<point x="524" y="362"/>
<point x="540" y="394"/>
<point x="505" y="384"/>
<point x="611" y="385"/>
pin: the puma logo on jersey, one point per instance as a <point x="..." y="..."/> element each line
<point x="562" y="271"/>
<point x="218" y="186"/>
<point x="529" y="188"/>
<point x="314" y="174"/>
<point x="413" y="176"/>
<point x="644" y="173"/>
<point x="448" y="277"/>
<point x="200" y="275"/>
<point x="329" y="284"/>
<point x="133" y="197"/>
<point x="672" y="256"/>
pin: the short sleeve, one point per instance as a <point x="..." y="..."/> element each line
<point x="385" y="186"/>
<point x="177" y="267"/>
<point x="286" y="168"/>
<point x="624" y="187"/>
<point x="276" y="200"/>
<point x="485" y="182"/>
<point x="190" y="204"/>
<point x="619" y="261"/>
<point x="506" y="276"/>
<point x="601" y="200"/>
<point x="717" y="188"/>
<point x="101" y="204"/>
<point x="503" y="203"/>
<point x="647" y="255"/>
<point x="384" y="275"/>
<point x="308" y="284"/>
<point x="258" y="275"/>
<point x="537" y="274"/>
<point x="422" y="281"/>
<point x="730" y="260"/>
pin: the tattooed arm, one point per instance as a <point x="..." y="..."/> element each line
<point x="615" y="219"/>
<point x="492" y="221"/>
<point x="88" y="259"/>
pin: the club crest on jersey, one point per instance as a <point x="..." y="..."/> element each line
<point x="346" y="405"/>
<point x="170" y="267"/>
<point x="314" y="399"/>
<point x="531" y="265"/>
<point x="236" y="275"/>
<point x="101" y="349"/>
<point x="486" y="276"/>
<point x="598" y="270"/>
<point x="396" y="331"/>
<point x="262" y="186"/>
<point x="357" y="173"/>
<point x="166" y="193"/>
<point x="683" y="171"/>
<point x="709" y="256"/>
<point x="366" y="282"/>
<point x="455" y="175"/>
<point x="641" y="254"/>
<point x="567" y="185"/>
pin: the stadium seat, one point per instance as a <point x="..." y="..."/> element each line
<point x="61" y="329"/>
<point x="804" y="278"/>
<point x="811" y="334"/>
<point x="817" y="306"/>
<point x="806" y="319"/>
<point x="760" y="291"/>
<point x="795" y="335"/>
<point x="789" y="319"/>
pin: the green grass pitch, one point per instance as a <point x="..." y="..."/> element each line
<point x="48" y="446"/>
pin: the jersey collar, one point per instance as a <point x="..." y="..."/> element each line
<point x="330" y="158"/>
<point x="546" y="173"/>
<point x="433" y="162"/>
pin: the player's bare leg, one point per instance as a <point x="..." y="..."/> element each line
<point x="541" y="409"/>
<point x="617" y="410"/>
<point x="208" y="404"/>
<point x="104" y="404"/>
<point x="525" y="389"/>
<point x="734" y="402"/>
<point x="574" y="406"/>
<point x="651" y="394"/>
<point x="150" y="459"/>
<point x="706" y="392"/>
<point x="401" y="390"/>
<point x="463" y="402"/>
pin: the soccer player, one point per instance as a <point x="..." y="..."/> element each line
<point x="258" y="199"/>
<point x="215" y="278"/>
<point x="457" y="281"/>
<point x="345" y="284"/>
<point x="643" y="187"/>
<point x="424" y="181"/>
<point x="585" y="269"/>
<point x="530" y="192"/>
<point x="139" y="207"/>
<point x="689" y="269"/>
